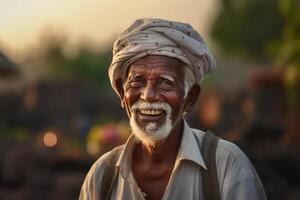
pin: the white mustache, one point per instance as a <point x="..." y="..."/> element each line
<point x="145" y="105"/>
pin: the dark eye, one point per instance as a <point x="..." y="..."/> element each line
<point x="166" y="84"/>
<point x="137" y="81"/>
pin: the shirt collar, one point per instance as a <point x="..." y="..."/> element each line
<point x="188" y="150"/>
<point x="125" y="158"/>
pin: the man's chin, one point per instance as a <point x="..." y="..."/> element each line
<point x="152" y="133"/>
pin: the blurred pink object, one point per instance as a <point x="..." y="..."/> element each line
<point x="110" y="133"/>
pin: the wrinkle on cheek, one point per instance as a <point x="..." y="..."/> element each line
<point x="172" y="94"/>
<point x="129" y="98"/>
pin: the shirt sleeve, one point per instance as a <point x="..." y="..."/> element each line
<point x="236" y="175"/>
<point x="91" y="187"/>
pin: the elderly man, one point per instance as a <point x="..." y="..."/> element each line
<point x="157" y="69"/>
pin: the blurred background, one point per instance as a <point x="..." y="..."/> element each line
<point x="58" y="112"/>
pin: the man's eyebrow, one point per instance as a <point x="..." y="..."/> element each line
<point x="168" y="77"/>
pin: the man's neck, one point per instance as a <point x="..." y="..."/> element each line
<point x="162" y="151"/>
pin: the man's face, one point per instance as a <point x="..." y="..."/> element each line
<point x="154" y="96"/>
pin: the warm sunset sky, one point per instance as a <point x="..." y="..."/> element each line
<point x="23" y="21"/>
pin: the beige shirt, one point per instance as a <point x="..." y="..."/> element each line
<point x="237" y="178"/>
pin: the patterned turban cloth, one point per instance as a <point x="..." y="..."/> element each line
<point x="160" y="37"/>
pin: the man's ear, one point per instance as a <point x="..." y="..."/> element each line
<point x="192" y="97"/>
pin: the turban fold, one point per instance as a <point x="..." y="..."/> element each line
<point x="160" y="37"/>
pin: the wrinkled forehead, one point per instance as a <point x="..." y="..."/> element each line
<point x="160" y="71"/>
<point x="161" y="64"/>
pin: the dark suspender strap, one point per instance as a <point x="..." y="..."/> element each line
<point x="209" y="176"/>
<point x="110" y="174"/>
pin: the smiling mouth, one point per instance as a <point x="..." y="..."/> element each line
<point x="150" y="112"/>
<point x="150" y="115"/>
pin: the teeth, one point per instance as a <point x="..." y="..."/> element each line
<point x="151" y="112"/>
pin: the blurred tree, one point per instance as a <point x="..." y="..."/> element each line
<point x="86" y="64"/>
<point x="250" y="28"/>
<point x="290" y="49"/>
<point x="290" y="57"/>
<point x="52" y="47"/>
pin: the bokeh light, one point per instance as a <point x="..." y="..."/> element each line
<point x="50" y="139"/>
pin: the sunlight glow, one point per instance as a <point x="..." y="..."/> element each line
<point x="21" y="22"/>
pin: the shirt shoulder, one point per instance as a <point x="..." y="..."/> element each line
<point x="237" y="177"/>
<point x="230" y="157"/>
<point x="91" y="188"/>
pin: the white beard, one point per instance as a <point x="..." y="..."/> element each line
<point x="151" y="134"/>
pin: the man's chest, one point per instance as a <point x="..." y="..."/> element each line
<point x="184" y="183"/>
<point x="152" y="179"/>
<point x="153" y="185"/>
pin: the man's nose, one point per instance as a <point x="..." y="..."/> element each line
<point x="149" y="93"/>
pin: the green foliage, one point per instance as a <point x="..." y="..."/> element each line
<point x="89" y="66"/>
<point x="17" y="133"/>
<point x="293" y="84"/>
<point x="86" y="65"/>
<point x="290" y="52"/>
<point x="250" y="28"/>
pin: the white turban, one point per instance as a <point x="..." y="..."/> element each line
<point x="160" y="37"/>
